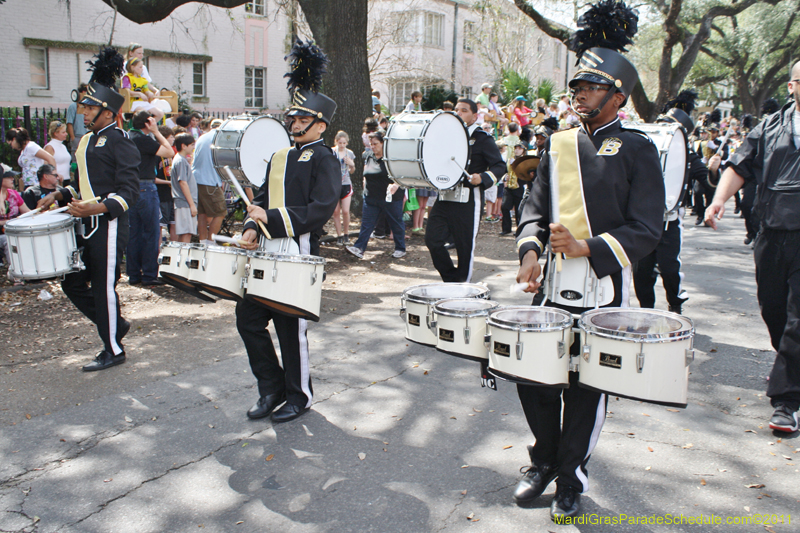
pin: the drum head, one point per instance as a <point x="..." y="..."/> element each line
<point x="262" y="137"/>
<point x="530" y="317"/>
<point x="43" y="221"/>
<point x="464" y="307"/>
<point x="439" y="291"/>
<point x="673" y="151"/>
<point x="638" y="325"/>
<point x="446" y="142"/>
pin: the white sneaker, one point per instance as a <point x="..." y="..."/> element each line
<point x="355" y="251"/>
<point x="397" y="254"/>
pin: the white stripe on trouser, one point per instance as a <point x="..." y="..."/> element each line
<point x="302" y="337"/>
<point x="599" y="420"/>
<point x="476" y="197"/>
<point x="111" y="295"/>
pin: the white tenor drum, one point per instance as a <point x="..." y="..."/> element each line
<point x="416" y="306"/>
<point x="427" y="150"/>
<point x="530" y="345"/>
<point x="461" y="327"/>
<point x="218" y="270"/>
<point x="673" y="148"/>
<point x="576" y="284"/>
<point x="288" y="284"/>
<point x="172" y="265"/>
<point x="246" y="144"/>
<point x="43" y="246"/>
<point x="642" y="354"/>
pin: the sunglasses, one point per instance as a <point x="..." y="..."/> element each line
<point x="575" y="91"/>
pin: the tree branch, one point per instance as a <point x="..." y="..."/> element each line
<point x="143" y="11"/>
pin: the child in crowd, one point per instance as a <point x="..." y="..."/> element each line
<point x="184" y="189"/>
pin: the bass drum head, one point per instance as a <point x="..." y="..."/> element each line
<point x="444" y="139"/>
<point x="257" y="140"/>
<point x="675" y="169"/>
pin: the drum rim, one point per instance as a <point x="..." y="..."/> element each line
<point x="22" y="227"/>
<point x="464" y="314"/>
<point x="630" y="336"/>
<point x="427" y="301"/>
<point x="196" y="246"/>
<point x="225" y="249"/>
<point x="287" y="258"/>
<point x="520" y="326"/>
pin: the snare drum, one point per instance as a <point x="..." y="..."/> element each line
<point x="642" y="354"/>
<point x="416" y="306"/>
<point x="246" y="144"/>
<point x="172" y="265"/>
<point x="530" y="345"/>
<point x="673" y="149"/>
<point x="426" y="150"/>
<point x="218" y="270"/>
<point x="461" y="326"/>
<point x="288" y="284"/>
<point x="43" y="246"/>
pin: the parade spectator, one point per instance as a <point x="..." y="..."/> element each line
<point x="370" y="126"/>
<point x="418" y="215"/>
<point x="380" y="195"/>
<point x="75" y="126"/>
<point x="563" y="103"/>
<point x="164" y="186"/>
<point x="31" y="155"/>
<point x="512" y="139"/>
<point x="11" y="206"/>
<point x="415" y="104"/>
<point x="56" y="148"/>
<point x="184" y="189"/>
<point x="143" y="96"/>
<point x="211" y="208"/>
<point x="447" y="105"/>
<point x="376" y="102"/>
<point x="347" y="164"/>
<point x="194" y="125"/>
<point x="522" y="114"/>
<point x="483" y="98"/>
<point x="136" y="51"/>
<point x="144" y="215"/>
<point x="48" y="181"/>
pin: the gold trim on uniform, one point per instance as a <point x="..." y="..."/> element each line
<point x="616" y="248"/>
<point x="287" y="221"/>
<point x="307" y="110"/>
<point x="277" y="187"/>
<point x="571" y="205"/>
<point x="492" y="176"/>
<point x="119" y="199"/>
<point x="84" y="185"/>
<point x="530" y="239"/>
<point x="598" y="72"/>
<point x="593" y="56"/>
<point x="588" y="61"/>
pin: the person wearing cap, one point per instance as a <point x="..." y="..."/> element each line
<point x="770" y="157"/>
<point x="299" y="195"/>
<point x="522" y="114"/>
<point x="667" y="254"/>
<point x="514" y="191"/>
<point x="611" y="202"/>
<point x="483" y="98"/>
<point x="107" y="185"/>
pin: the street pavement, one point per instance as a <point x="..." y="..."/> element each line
<point x="402" y="438"/>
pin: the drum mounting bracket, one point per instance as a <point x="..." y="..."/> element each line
<point x="689" y="356"/>
<point x="639" y="362"/>
<point x="466" y="335"/>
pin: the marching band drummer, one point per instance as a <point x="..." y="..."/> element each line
<point x="455" y="216"/>
<point x="611" y="204"/>
<point x="299" y="195"/>
<point x="108" y="163"/>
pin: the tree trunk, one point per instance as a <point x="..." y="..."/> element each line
<point x="347" y="80"/>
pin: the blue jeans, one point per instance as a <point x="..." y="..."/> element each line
<point x="142" y="253"/>
<point x="369" y="218"/>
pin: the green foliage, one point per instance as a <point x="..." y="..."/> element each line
<point x="516" y="84"/>
<point x="436" y="97"/>
<point x="547" y="90"/>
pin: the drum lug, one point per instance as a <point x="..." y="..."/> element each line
<point x="402" y="311"/>
<point x="562" y="349"/>
<point x="587" y="351"/>
<point x="246" y="276"/>
<point x="76" y="260"/>
<point x="466" y="335"/>
<point x="689" y="356"/>
<point x="574" y="363"/>
<point x="520" y="347"/>
<point x="234" y="266"/>
<point x="487" y="340"/>
<point x="639" y="362"/>
<point x="203" y="264"/>
<point x="274" y="273"/>
<point x="431" y="324"/>
<point x="313" y="278"/>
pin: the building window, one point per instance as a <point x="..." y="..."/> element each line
<point x="401" y="95"/>
<point x="254" y="86"/>
<point x="557" y="55"/>
<point x="434" y="29"/>
<point x="466" y="92"/>
<point x="469" y="39"/>
<point x="39" y="74"/>
<point x="198" y="79"/>
<point x="256" y="7"/>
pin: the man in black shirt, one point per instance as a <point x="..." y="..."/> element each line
<point x="142" y="254"/>
<point x="770" y="157"/>
<point x="48" y="181"/>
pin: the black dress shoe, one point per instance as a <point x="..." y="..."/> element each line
<point x="123" y="329"/>
<point x="566" y="504"/>
<point x="699" y="222"/>
<point x="288" y="412"/>
<point x="536" y="479"/>
<point x="449" y="246"/>
<point x="104" y="360"/>
<point x="748" y="239"/>
<point x="677" y="309"/>
<point x="153" y="283"/>
<point x="265" y="405"/>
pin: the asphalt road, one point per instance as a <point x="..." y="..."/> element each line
<point x="401" y="438"/>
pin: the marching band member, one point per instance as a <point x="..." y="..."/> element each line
<point x="299" y="195"/>
<point x="456" y="214"/>
<point x="108" y="167"/>
<point x="611" y="205"/>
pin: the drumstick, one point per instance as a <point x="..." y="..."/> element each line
<point x="555" y="214"/>
<point x="39" y="210"/>
<point x="229" y="240"/>
<point x="453" y="159"/>
<point x="233" y="181"/>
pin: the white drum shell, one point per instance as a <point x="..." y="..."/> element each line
<point x="664" y="378"/>
<point x="462" y="333"/>
<point x="42" y="246"/>
<point x="218" y="270"/>
<point x="425" y="150"/>
<point x="539" y="361"/>
<point x="172" y="261"/>
<point x="290" y="284"/>
<point x="418" y="314"/>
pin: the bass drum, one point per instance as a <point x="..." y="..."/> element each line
<point x="426" y="150"/>
<point x="673" y="149"/>
<point x="246" y="144"/>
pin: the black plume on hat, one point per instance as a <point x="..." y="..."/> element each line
<point x="607" y="24"/>
<point x="685" y="101"/>
<point x="715" y="116"/>
<point x="770" y="106"/>
<point x="551" y="123"/>
<point x="307" y="63"/>
<point x="106" y="67"/>
<point x="747" y="122"/>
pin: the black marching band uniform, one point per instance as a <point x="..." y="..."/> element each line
<point x="459" y="218"/>
<point x="108" y="163"/>
<point x="611" y="194"/>
<point x="299" y="195"/>
<point x="667" y="254"/>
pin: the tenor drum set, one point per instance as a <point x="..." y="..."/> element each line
<point x="641" y="354"/>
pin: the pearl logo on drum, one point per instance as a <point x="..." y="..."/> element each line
<point x="611" y="361"/>
<point x="446" y="335"/>
<point x="413" y="320"/>
<point x="571" y="295"/>
<point x="502" y="349"/>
